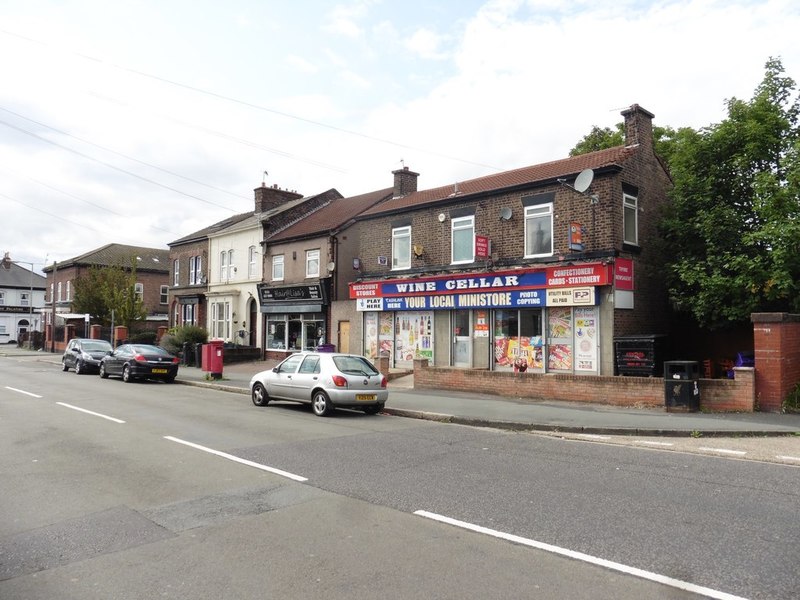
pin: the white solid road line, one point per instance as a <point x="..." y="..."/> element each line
<point x="243" y="461"/>
<point x="722" y="451"/>
<point x="89" y="412"/>
<point x="23" y="392"/>
<point x="662" y="579"/>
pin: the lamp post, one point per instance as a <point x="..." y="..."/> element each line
<point x="7" y="262"/>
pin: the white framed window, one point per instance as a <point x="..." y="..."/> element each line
<point x="226" y="266"/>
<point x="630" y="219"/>
<point x="59" y="291"/>
<point x="138" y="289"/>
<point x="539" y="230"/>
<point x="188" y="314"/>
<point x="24" y="298"/>
<point x="462" y="235"/>
<point x="164" y="294"/>
<point x="176" y="272"/>
<point x="252" y="262"/>
<point x="312" y="263"/>
<point x="69" y="290"/>
<point x="2" y="298"/>
<point x="195" y="270"/>
<point x="277" y="267"/>
<point x="220" y="319"/>
<point x="401" y="248"/>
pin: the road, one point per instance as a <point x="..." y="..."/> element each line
<point x="149" y="490"/>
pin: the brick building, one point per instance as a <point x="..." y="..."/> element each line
<point x="538" y="268"/>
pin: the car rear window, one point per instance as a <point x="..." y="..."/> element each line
<point x="91" y="346"/>
<point x="354" y="365"/>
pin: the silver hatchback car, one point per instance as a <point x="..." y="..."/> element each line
<point x="325" y="380"/>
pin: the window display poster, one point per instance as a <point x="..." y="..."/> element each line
<point x="481" y="323"/>
<point x="386" y="336"/>
<point x="559" y="325"/>
<point x="586" y="339"/>
<point x="371" y="335"/>
<point x="510" y="351"/>
<point x="414" y="336"/>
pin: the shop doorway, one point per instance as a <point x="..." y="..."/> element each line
<point x="462" y="338"/>
<point x="344" y="337"/>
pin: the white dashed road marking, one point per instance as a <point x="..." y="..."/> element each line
<point x="23" y="392"/>
<point x="89" y="412"/>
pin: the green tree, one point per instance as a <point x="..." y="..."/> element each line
<point x="733" y="231"/>
<point x="665" y="139"/>
<point x="106" y="289"/>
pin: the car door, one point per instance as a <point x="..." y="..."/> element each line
<point x="281" y="383"/>
<point x="70" y="356"/>
<point x="118" y="358"/>
<point x="306" y="378"/>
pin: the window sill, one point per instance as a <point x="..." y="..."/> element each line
<point x="632" y="248"/>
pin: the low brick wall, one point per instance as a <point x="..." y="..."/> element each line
<point x="716" y="395"/>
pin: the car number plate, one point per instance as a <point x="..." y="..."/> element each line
<point x="365" y="397"/>
<point x="159" y="371"/>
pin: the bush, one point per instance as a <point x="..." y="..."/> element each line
<point x="143" y="337"/>
<point x="178" y="336"/>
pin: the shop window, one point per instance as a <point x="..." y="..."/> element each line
<point x="539" y="230"/>
<point x="630" y="219"/>
<point x="463" y="239"/>
<point x="401" y="248"/>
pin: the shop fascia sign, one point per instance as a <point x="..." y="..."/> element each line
<point x="298" y="293"/>
<point x="519" y="288"/>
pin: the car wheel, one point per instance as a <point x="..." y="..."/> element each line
<point x="373" y="409"/>
<point x="126" y="374"/>
<point x="64" y="366"/>
<point x="321" y="404"/>
<point x="78" y="367"/>
<point x="259" y="395"/>
<point x="103" y="373"/>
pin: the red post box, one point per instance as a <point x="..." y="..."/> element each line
<point x="212" y="357"/>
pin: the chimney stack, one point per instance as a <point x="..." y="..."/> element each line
<point x="268" y="198"/>
<point x="405" y="182"/>
<point x="638" y="126"/>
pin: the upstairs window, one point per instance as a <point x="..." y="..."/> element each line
<point x="312" y="263"/>
<point x="195" y="270"/>
<point x="630" y="219"/>
<point x="2" y="298"/>
<point x="252" y="262"/>
<point x="226" y="267"/>
<point x="401" y="248"/>
<point x="164" y="295"/>
<point x="138" y="289"/>
<point x="539" y="230"/>
<point x="463" y="239"/>
<point x="176" y="272"/>
<point x="69" y="290"/>
<point x="24" y="299"/>
<point x="277" y="267"/>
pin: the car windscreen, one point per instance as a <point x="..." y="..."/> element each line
<point x="354" y="365"/>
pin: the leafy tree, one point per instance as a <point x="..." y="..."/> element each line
<point x="106" y="289"/>
<point x="666" y="140"/>
<point x="734" y="226"/>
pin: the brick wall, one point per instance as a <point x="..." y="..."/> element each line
<point x="716" y="395"/>
<point x="776" y="337"/>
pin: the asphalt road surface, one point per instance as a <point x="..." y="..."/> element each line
<point x="151" y="490"/>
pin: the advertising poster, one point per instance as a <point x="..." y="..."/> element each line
<point x="586" y="339"/>
<point x="559" y="326"/>
<point x="516" y="352"/>
<point x="414" y="336"/>
<point x="371" y="335"/>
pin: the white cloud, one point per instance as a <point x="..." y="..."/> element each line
<point x="426" y="44"/>
<point x="301" y="64"/>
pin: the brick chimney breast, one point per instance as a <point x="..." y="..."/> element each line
<point x="638" y="126"/>
<point x="268" y="198"/>
<point x="405" y="182"/>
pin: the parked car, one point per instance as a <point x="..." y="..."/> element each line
<point x="140" y="361"/>
<point x="325" y="380"/>
<point x="84" y="355"/>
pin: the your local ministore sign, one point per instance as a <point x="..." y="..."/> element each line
<point x="508" y="289"/>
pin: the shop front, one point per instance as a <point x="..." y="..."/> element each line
<point x="538" y="320"/>
<point x="294" y="318"/>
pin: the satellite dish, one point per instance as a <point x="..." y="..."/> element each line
<point x="505" y="213"/>
<point x="583" y="180"/>
<point x="331" y="266"/>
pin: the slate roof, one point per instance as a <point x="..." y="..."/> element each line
<point x="149" y="259"/>
<point x="20" y="277"/>
<point x="525" y="176"/>
<point x="332" y="216"/>
<point x="211" y="229"/>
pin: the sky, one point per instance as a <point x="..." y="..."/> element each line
<point x="140" y="122"/>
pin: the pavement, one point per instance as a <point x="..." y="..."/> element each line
<point x="527" y="415"/>
<point x="520" y="414"/>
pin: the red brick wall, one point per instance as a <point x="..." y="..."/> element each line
<point x="776" y="338"/>
<point x="716" y="395"/>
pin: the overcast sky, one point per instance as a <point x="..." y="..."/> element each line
<point x="141" y="122"/>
